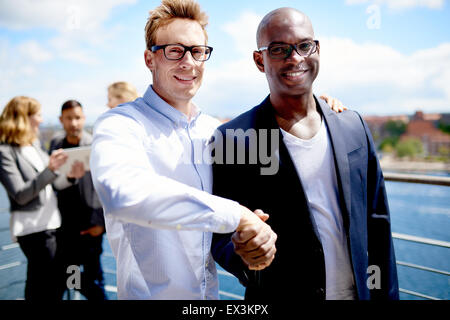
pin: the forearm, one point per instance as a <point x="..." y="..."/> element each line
<point x="131" y="190"/>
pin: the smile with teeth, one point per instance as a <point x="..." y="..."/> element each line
<point x="185" y="78"/>
<point x="296" y="73"/>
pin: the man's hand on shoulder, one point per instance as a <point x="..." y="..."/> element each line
<point x="334" y="103"/>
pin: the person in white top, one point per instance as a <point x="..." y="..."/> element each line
<point x="327" y="200"/>
<point x="27" y="174"/>
<point x="159" y="212"/>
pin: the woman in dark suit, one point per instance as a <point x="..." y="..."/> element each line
<point x="27" y="173"/>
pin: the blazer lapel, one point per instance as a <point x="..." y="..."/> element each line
<point x="41" y="154"/>
<point x="265" y="119"/>
<point x="337" y="137"/>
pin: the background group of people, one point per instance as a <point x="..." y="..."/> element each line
<point x="57" y="219"/>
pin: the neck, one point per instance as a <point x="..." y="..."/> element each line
<point x="73" y="139"/>
<point x="184" y="106"/>
<point x="294" y="108"/>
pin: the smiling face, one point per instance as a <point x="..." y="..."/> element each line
<point x="177" y="81"/>
<point x="294" y="75"/>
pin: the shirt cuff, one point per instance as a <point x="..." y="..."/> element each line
<point x="227" y="215"/>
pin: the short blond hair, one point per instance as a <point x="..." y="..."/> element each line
<point x="169" y="10"/>
<point x="123" y="91"/>
<point x="15" y="128"/>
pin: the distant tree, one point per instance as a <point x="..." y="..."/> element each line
<point x="444" y="151"/>
<point x="388" y="144"/>
<point x="395" y="128"/>
<point x="444" y="127"/>
<point x="409" y="148"/>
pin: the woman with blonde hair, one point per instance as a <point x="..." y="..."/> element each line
<point x="121" y="92"/>
<point x="27" y="172"/>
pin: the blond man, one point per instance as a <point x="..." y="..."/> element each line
<point x="159" y="211"/>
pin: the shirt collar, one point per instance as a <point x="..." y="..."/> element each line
<point x="154" y="101"/>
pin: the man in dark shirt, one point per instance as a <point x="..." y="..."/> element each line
<point x="82" y="227"/>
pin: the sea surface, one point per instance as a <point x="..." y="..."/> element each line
<point x="416" y="209"/>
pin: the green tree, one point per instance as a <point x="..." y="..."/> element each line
<point x="409" y="148"/>
<point x="395" y="128"/>
<point x="444" y="127"/>
<point x="388" y="144"/>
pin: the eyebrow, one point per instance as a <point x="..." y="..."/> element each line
<point x="281" y="42"/>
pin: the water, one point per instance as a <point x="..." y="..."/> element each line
<point x="419" y="210"/>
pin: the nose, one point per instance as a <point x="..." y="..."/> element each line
<point x="296" y="57"/>
<point x="188" y="60"/>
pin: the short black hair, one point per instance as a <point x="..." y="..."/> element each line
<point x="69" y="104"/>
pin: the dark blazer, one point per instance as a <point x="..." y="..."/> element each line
<point x="85" y="184"/>
<point x="298" y="270"/>
<point x="24" y="184"/>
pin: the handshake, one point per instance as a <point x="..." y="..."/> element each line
<point x="254" y="240"/>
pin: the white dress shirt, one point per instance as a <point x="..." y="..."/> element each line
<point x="148" y="167"/>
<point x="314" y="162"/>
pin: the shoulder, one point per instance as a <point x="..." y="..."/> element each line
<point x="57" y="139"/>
<point x="86" y="138"/>
<point x="127" y="117"/>
<point x="6" y="149"/>
<point x="125" y="112"/>
<point x="243" y="121"/>
<point x="351" y="120"/>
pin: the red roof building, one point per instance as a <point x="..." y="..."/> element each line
<point x="423" y="127"/>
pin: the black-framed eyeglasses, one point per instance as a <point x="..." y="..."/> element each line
<point x="284" y="50"/>
<point x="177" y="51"/>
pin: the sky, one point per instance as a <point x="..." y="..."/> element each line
<point x="379" y="57"/>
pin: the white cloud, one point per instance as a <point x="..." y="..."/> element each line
<point x="236" y="82"/>
<point x="402" y="4"/>
<point x="369" y="77"/>
<point x="404" y="82"/>
<point x="32" y="50"/>
<point x="65" y="65"/>
<point x="56" y="14"/>
<point x="243" y="31"/>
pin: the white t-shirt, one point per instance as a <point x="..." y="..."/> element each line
<point x="314" y="162"/>
<point x="46" y="217"/>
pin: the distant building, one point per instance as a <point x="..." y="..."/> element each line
<point x="377" y="125"/>
<point x="423" y="127"/>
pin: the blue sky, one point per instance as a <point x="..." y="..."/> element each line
<point x="377" y="56"/>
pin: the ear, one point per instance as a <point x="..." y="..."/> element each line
<point x="60" y="119"/>
<point x="149" y="59"/>
<point x="259" y="60"/>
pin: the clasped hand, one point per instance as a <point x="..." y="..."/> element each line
<point x="254" y="240"/>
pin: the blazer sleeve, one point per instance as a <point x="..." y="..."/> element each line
<point x="380" y="244"/>
<point x="18" y="189"/>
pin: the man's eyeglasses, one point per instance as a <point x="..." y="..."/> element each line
<point x="177" y="51"/>
<point x="284" y="50"/>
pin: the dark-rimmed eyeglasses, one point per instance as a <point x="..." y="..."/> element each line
<point x="177" y="51"/>
<point x="284" y="50"/>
